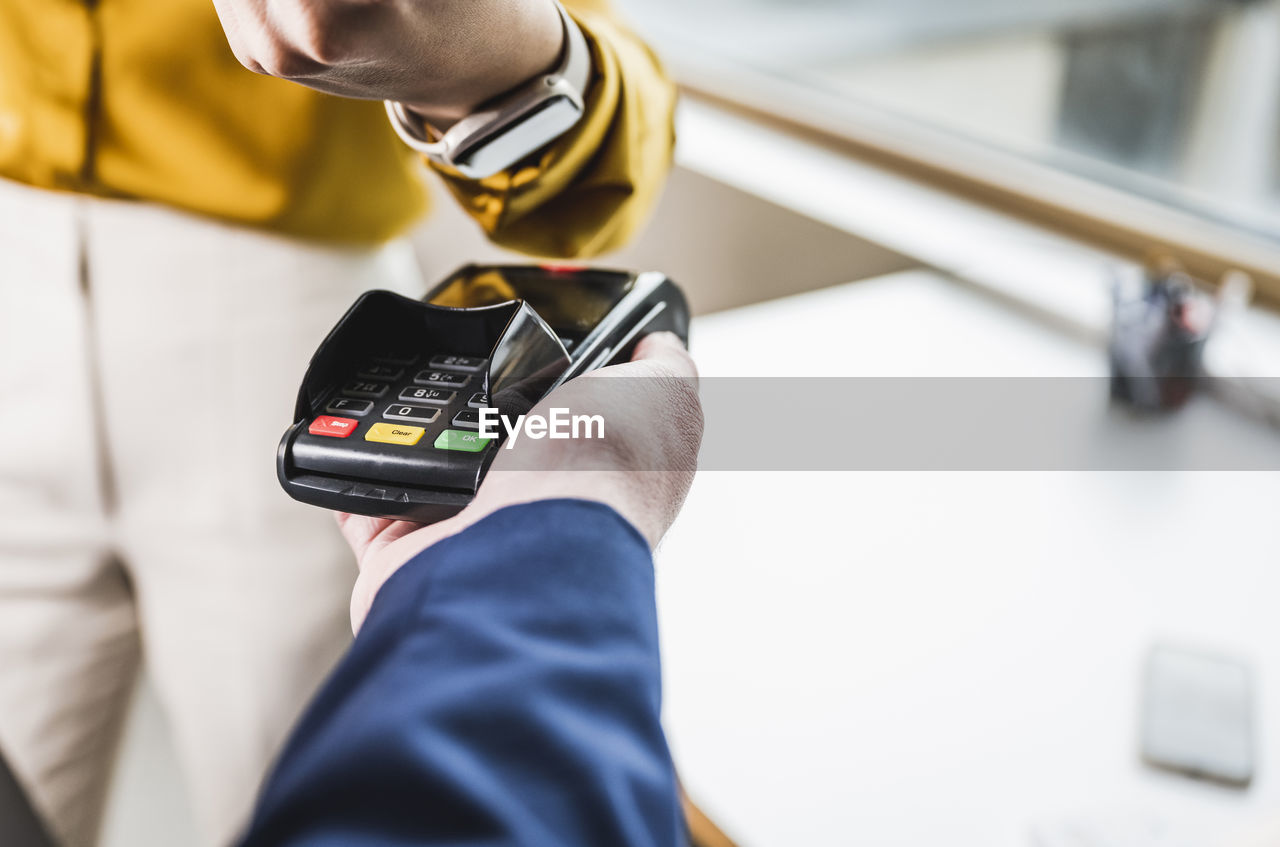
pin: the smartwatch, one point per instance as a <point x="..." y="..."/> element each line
<point x="506" y="130"/>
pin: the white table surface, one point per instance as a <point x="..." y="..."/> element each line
<point x="951" y="658"/>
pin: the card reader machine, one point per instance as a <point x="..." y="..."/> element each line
<point x="387" y="418"/>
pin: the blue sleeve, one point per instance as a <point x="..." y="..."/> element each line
<point x="504" y="690"/>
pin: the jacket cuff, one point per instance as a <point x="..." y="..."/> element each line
<point x="592" y="188"/>
<point x="565" y="538"/>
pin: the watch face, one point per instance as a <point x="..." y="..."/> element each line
<point x="507" y="141"/>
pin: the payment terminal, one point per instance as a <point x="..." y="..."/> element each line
<point x="387" y="418"/>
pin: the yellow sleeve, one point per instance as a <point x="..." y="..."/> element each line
<point x="590" y="190"/>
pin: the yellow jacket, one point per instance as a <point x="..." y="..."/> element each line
<point x="143" y="99"/>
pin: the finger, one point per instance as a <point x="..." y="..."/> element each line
<point x="237" y="39"/>
<point x="666" y="350"/>
<point x="353" y="532"/>
<point x="359" y="531"/>
<point x="248" y="32"/>
<point x="311" y="33"/>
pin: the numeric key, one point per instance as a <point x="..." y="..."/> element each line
<point x="387" y="372"/>
<point x="453" y="362"/>
<point x="418" y="414"/>
<point x="422" y="394"/>
<point x="441" y="379"/>
<point x="362" y="388"/>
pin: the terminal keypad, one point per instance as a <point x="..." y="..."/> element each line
<point x="386" y="401"/>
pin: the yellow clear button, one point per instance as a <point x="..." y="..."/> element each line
<point x="389" y="433"/>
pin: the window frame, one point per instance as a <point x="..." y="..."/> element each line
<point x="1111" y="218"/>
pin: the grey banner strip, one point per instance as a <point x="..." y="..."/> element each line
<point x="962" y="424"/>
<point x="969" y="424"/>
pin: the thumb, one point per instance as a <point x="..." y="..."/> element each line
<point x="666" y="350"/>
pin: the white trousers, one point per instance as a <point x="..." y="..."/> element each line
<point x="149" y="362"/>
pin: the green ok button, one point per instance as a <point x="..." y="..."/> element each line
<point x="460" y="439"/>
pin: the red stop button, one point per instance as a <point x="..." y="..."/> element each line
<point x="335" y="427"/>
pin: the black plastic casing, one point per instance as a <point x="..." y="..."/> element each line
<point x="526" y="360"/>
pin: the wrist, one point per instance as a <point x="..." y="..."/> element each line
<point x="530" y="43"/>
